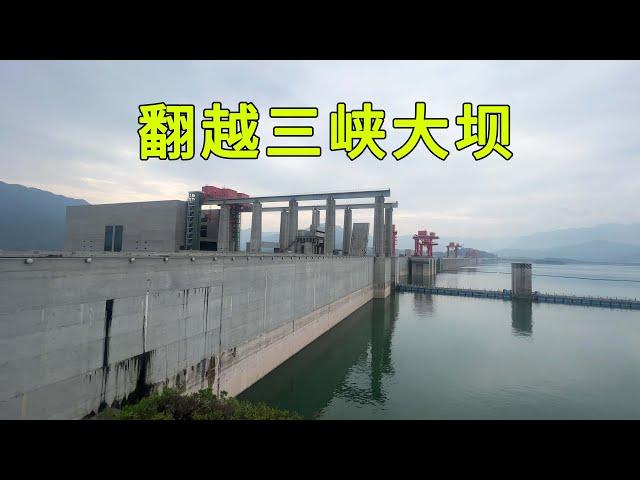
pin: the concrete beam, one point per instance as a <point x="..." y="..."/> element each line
<point x="342" y="206"/>
<point x="302" y="197"/>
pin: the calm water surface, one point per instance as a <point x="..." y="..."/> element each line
<point x="418" y="356"/>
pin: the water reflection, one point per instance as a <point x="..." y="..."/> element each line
<point x="521" y="317"/>
<point x="424" y="281"/>
<point x="348" y="363"/>
<point x="423" y="303"/>
<point x="381" y="333"/>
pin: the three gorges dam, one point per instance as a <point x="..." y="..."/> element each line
<point x="162" y="293"/>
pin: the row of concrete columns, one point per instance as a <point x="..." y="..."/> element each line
<point x="382" y="227"/>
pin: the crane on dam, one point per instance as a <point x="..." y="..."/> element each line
<point x="424" y="239"/>
<point x="453" y="248"/>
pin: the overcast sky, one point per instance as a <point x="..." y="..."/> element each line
<point x="71" y="128"/>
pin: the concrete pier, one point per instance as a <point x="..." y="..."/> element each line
<point x="381" y="277"/>
<point x="330" y="227"/>
<point x="284" y="232"/>
<point x="292" y="225"/>
<point x="378" y="227"/>
<point x="315" y="218"/>
<point x="256" y="227"/>
<point x="346" y="232"/>
<point x="224" y="228"/>
<point x="422" y="270"/>
<point x="521" y="280"/>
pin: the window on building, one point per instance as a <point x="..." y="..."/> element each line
<point x="113" y="238"/>
<point x="117" y="243"/>
<point x="108" y="238"/>
<point x="203" y="230"/>
<point x="209" y="246"/>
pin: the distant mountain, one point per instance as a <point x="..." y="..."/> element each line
<point x="32" y="219"/>
<point x="593" y="251"/>
<point x="608" y="232"/>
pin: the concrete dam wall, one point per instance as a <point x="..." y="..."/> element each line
<point x="80" y="335"/>
<point x="449" y="264"/>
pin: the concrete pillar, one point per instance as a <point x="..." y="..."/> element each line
<point x="223" y="228"/>
<point x="521" y="280"/>
<point x="381" y="277"/>
<point x="315" y="218"/>
<point x="330" y="227"/>
<point x="378" y="227"/>
<point x="307" y="248"/>
<point x="284" y="232"/>
<point x="256" y="227"/>
<point x="293" y="224"/>
<point x="234" y="228"/>
<point x="346" y="232"/>
<point x="388" y="231"/>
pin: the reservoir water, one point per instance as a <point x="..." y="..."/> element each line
<point x="420" y="356"/>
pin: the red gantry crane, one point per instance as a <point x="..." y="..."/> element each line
<point x="424" y="239"/>
<point x="453" y="247"/>
<point x="210" y="192"/>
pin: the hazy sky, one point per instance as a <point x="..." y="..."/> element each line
<point x="71" y="128"/>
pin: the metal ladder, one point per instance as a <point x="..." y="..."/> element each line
<point x="193" y="220"/>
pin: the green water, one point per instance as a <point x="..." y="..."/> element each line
<point x="418" y="356"/>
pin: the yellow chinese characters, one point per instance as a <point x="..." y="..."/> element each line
<point x="492" y="123"/>
<point x="420" y="126"/>
<point x="293" y="131"/>
<point x="231" y="134"/>
<point x="167" y="131"/>
<point x="361" y="126"/>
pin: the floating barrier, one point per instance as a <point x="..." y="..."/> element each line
<point x="624" y="303"/>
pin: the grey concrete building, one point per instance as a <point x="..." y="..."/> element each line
<point x="138" y="226"/>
